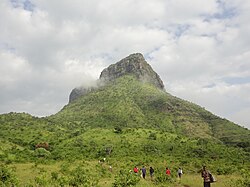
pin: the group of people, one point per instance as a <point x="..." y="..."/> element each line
<point x="205" y="174"/>
<point x="151" y="171"/>
<point x="143" y="171"/>
<point x="208" y="178"/>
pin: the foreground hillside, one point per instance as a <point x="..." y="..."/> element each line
<point x="72" y="156"/>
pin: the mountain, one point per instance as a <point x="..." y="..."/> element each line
<point x="134" y="64"/>
<point x="131" y="94"/>
<point x="128" y="118"/>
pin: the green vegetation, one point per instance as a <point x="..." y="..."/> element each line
<point x="7" y="176"/>
<point x="128" y="123"/>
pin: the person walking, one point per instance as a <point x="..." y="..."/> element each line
<point x="205" y="174"/>
<point x="151" y="171"/>
<point x="143" y="170"/>
<point x="179" y="172"/>
<point x="136" y="170"/>
<point x="168" y="172"/>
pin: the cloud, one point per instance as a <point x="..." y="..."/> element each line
<point x="13" y="68"/>
<point x="199" y="48"/>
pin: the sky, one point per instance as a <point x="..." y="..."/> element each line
<point x="200" y="49"/>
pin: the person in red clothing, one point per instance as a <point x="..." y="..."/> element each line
<point x="168" y="172"/>
<point x="136" y="170"/>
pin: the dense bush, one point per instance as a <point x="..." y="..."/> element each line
<point x="7" y="176"/>
<point x="42" y="152"/>
<point x="245" y="181"/>
<point x="82" y="177"/>
<point x="125" y="178"/>
<point x="42" y="179"/>
<point x="162" y="178"/>
<point x="118" y="130"/>
<point x="75" y="177"/>
<point x="152" y="136"/>
<point x="225" y="170"/>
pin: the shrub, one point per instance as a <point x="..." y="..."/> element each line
<point x="225" y="170"/>
<point x="125" y="178"/>
<point x="118" y="130"/>
<point x="7" y="177"/>
<point x="163" y="178"/>
<point x="62" y="181"/>
<point x="54" y="175"/>
<point x="152" y="136"/>
<point x="42" y="152"/>
<point x="42" y="180"/>
<point x="82" y="177"/>
<point x="64" y="168"/>
<point x="245" y="181"/>
<point x="102" y="171"/>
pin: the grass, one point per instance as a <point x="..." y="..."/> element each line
<point x="197" y="181"/>
<point x="26" y="173"/>
<point x="192" y="180"/>
<point x="132" y="147"/>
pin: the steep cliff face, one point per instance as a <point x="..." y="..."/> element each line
<point x="77" y="92"/>
<point x="134" y="64"/>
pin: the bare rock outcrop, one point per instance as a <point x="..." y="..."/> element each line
<point x="134" y="64"/>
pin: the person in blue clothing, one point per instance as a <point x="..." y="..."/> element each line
<point x="143" y="170"/>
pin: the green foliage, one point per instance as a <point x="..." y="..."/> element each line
<point x="82" y="177"/>
<point x="125" y="178"/>
<point x="244" y="181"/>
<point x="42" y="179"/>
<point x="225" y="170"/>
<point x="163" y="179"/>
<point x="118" y="130"/>
<point x="7" y="176"/>
<point x="78" y="176"/>
<point x="42" y="152"/>
<point x="152" y="136"/>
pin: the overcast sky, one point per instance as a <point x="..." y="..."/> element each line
<point x="200" y="49"/>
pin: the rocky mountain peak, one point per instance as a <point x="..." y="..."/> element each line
<point x="134" y="64"/>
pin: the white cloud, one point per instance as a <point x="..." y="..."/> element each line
<point x="240" y="116"/>
<point x="200" y="49"/>
<point x="227" y="101"/>
<point x="13" y="68"/>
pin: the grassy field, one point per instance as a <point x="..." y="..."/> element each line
<point x="26" y="173"/>
<point x="186" y="181"/>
